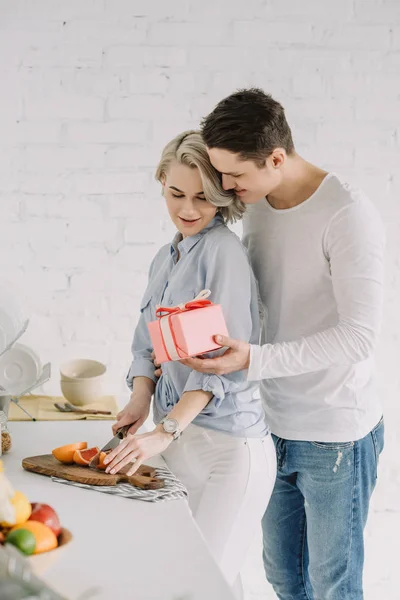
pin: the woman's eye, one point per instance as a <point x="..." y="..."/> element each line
<point x="175" y="196"/>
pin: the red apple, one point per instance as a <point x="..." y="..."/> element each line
<point x="46" y="515"/>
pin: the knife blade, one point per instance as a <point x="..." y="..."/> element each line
<point x="113" y="443"/>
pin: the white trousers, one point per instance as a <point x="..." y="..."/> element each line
<point x="229" y="481"/>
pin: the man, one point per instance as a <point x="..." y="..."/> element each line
<point x="316" y="246"/>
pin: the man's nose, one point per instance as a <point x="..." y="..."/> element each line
<point x="228" y="182"/>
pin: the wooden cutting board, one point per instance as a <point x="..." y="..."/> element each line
<point x="145" y="477"/>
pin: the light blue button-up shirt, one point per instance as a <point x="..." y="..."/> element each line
<point x="213" y="259"/>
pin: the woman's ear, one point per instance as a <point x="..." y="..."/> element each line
<point x="162" y="181"/>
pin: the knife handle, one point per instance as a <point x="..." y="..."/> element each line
<point x="122" y="433"/>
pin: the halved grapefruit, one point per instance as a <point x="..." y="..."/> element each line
<point x="83" y="457"/>
<point x="101" y="464"/>
<point x="65" y="454"/>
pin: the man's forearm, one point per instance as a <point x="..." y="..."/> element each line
<point x="334" y="347"/>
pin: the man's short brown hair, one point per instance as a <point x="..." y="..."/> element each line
<point x="249" y="123"/>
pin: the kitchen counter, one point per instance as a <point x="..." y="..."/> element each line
<point x="122" y="548"/>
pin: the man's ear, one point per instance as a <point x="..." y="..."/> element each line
<point x="277" y="158"/>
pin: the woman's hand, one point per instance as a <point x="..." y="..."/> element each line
<point x="135" y="413"/>
<point x="137" y="449"/>
<point x="158" y="371"/>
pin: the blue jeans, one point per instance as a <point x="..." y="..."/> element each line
<point x="313" y="526"/>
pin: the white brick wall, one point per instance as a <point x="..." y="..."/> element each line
<point x="90" y="93"/>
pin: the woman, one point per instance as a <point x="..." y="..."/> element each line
<point x="214" y="437"/>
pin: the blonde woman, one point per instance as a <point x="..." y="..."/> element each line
<point x="210" y="429"/>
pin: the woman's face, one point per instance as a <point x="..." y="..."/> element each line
<point x="183" y="191"/>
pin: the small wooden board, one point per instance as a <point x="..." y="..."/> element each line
<point x="145" y="477"/>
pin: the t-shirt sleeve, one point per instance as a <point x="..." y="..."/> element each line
<point x="354" y="247"/>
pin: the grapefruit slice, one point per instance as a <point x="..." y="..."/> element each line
<point x="101" y="464"/>
<point x="65" y="454"/>
<point x="83" y="457"/>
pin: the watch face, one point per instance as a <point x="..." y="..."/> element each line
<point x="171" y="425"/>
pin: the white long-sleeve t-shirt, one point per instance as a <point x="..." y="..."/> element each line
<point x="320" y="271"/>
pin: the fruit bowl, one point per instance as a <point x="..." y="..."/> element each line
<point x="40" y="563"/>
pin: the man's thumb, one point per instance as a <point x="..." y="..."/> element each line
<point x="224" y="340"/>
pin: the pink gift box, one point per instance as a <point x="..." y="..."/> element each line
<point x="187" y="330"/>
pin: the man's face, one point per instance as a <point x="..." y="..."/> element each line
<point x="250" y="182"/>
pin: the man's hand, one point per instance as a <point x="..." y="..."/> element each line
<point x="236" y="358"/>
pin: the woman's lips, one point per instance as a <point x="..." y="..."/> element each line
<point x="189" y="223"/>
<point x="240" y="192"/>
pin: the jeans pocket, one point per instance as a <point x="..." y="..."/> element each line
<point x="333" y="445"/>
<point x="378" y="440"/>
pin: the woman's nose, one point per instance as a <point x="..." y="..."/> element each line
<point x="228" y="182"/>
<point x="188" y="206"/>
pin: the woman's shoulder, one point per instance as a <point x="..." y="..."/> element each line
<point x="223" y="238"/>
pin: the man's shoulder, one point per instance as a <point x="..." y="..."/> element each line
<point x="350" y="198"/>
<point x="353" y="215"/>
<point x="345" y="194"/>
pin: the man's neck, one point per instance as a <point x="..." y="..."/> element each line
<point x="301" y="179"/>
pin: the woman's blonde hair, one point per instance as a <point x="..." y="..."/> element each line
<point x="189" y="149"/>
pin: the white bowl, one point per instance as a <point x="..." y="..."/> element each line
<point x="84" y="391"/>
<point x="40" y="563"/>
<point x="82" y="369"/>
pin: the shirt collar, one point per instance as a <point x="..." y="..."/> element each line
<point x="184" y="246"/>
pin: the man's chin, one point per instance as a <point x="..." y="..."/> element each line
<point x="251" y="199"/>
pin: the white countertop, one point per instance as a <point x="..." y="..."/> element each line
<point x="122" y="548"/>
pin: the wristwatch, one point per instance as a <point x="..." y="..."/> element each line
<point x="171" y="426"/>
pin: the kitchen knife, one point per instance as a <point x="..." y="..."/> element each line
<point x="113" y="443"/>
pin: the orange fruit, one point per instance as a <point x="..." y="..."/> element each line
<point x="44" y="536"/>
<point x="65" y="454"/>
<point x="83" y="457"/>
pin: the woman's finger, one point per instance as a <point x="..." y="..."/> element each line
<point x="131" y="457"/>
<point x="158" y="372"/>
<point x="115" y="427"/>
<point x="125" y="420"/>
<point x="113" y="461"/>
<point x="136" y="426"/>
<point x="118" y="425"/>
<point x="135" y="466"/>
<point x="120" y="448"/>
